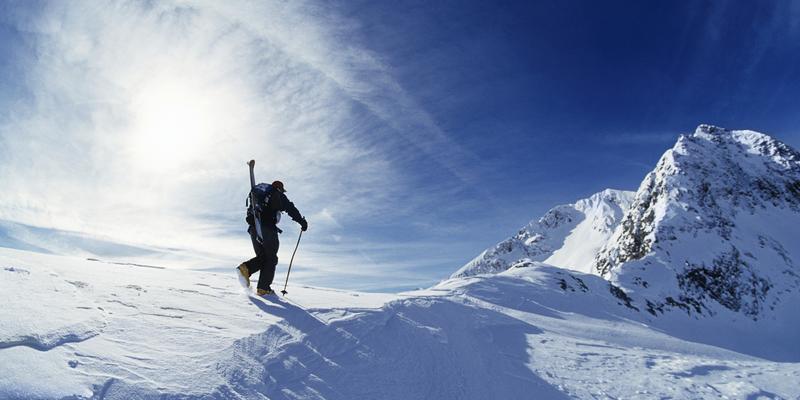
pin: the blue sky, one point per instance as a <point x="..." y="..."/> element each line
<point x="412" y="134"/>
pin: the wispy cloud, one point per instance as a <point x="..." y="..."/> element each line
<point x="139" y="117"/>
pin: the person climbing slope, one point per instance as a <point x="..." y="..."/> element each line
<point x="266" y="202"/>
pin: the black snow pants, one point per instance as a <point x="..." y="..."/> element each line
<point x="266" y="256"/>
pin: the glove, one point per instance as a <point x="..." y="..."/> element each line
<point x="250" y="220"/>
<point x="303" y="224"/>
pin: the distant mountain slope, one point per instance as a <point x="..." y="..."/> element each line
<point x="568" y="236"/>
<point x="716" y="223"/>
<point x="19" y="236"/>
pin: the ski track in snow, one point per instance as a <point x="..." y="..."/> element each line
<point x="119" y="332"/>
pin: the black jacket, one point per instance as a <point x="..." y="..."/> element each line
<point x="277" y="202"/>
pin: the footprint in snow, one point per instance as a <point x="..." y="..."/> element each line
<point x="701" y="370"/>
<point x="136" y="288"/>
<point x="78" y="284"/>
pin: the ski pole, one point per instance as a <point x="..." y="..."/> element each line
<point x="290" y="264"/>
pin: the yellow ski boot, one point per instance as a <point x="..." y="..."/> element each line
<point x="244" y="275"/>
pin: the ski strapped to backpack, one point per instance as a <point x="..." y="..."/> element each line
<point x="252" y="210"/>
<point x="257" y="202"/>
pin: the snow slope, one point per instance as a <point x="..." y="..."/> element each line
<point x="84" y="329"/>
<point x="568" y="236"/>
<point x="88" y="327"/>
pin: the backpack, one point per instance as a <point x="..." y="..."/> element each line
<point x="261" y="196"/>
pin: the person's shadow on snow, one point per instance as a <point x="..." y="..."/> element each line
<point x="449" y="350"/>
<point x="294" y="316"/>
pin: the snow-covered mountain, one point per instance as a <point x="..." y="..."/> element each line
<point x="716" y="223"/>
<point x="568" y="236"/>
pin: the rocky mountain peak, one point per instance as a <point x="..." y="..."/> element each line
<point x="712" y="221"/>
<point x="705" y="129"/>
<point x="712" y="228"/>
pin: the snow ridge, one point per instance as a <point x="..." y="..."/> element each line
<point x="568" y="235"/>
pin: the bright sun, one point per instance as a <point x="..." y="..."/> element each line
<point x="174" y="120"/>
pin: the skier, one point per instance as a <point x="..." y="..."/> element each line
<point x="267" y="250"/>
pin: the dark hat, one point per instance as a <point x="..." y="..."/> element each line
<point x="279" y="185"/>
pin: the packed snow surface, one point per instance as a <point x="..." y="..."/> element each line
<point x="74" y="328"/>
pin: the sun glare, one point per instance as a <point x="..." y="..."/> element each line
<point x="173" y="122"/>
